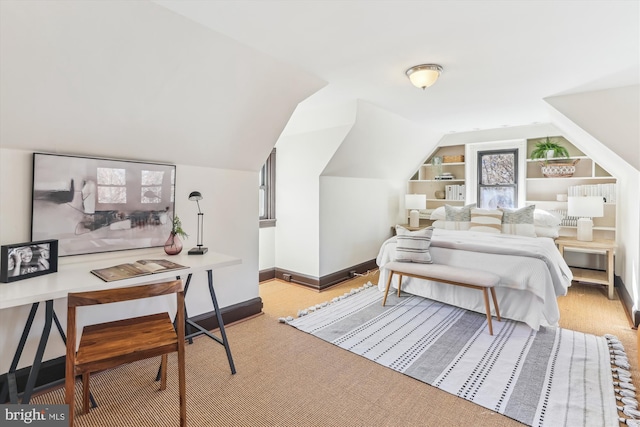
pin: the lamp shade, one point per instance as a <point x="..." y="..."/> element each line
<point x="194" y="196"/>
<point x="589" y="206"/>
<point x="415" y="201"/>
<point x="425" y="75"/>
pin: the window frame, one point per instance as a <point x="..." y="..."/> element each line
<point x="514" y="185"/>
<point x="267" y="182"/>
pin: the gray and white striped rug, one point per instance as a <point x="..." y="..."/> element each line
<point x="552" y="377"/>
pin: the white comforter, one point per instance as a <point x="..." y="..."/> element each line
<point x="532" y="273"/>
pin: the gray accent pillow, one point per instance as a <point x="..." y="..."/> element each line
<point x="413" y="246"/>
<point x="518" y="216"/>
<point x="519" y="221"/>
<point x="453" y="213"/>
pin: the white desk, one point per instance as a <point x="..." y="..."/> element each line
<point x="77" y="276"/>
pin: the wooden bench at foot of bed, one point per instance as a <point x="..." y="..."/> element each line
<point x="467" y="278"/>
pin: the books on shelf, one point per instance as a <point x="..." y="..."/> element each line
<point x="607" y="191"/>
<point x="445" y="176"/>
<point x="141" y="267"/>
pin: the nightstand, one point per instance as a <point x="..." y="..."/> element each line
<point x="586" y="275"/>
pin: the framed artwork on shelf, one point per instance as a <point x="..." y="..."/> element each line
<point x="30" y="259"/>
<point x="92" y="205"/>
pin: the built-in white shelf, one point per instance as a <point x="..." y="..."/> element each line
<point x="573" y="178"/>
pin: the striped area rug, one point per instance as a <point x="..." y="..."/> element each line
<point x="552" y="377"/>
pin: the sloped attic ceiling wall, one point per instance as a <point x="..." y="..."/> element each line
<point x="622" y="133"/>
<point x="135" y="80"/>
<point x="381" y="145"/>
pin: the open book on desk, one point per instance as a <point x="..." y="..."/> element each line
<point x="139" y="268"/>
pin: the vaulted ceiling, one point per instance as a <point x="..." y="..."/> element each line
<point x="500" y="58"/>
<point x="214" y="83"/>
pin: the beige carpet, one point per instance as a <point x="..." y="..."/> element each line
<point x="289" y="378"/>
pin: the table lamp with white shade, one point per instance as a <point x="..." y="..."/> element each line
<point x="585" y="208"/>
<point x="415" y="202"/>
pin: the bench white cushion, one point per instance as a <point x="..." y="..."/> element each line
<point x="445" y="272"/>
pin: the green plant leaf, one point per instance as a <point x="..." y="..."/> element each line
<point x="176" y="227"/>
<point x="541" y="148"/>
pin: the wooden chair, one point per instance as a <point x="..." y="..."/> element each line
<point x="107" y="345"/>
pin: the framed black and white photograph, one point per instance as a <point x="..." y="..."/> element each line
<point x="24" y="260"/>
<point x="93" y="205"/>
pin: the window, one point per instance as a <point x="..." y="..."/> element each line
<point x="267" y="191"/>
<point x="498" y="179"/>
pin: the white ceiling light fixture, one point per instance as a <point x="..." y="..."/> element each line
<point x="424" y="75"/>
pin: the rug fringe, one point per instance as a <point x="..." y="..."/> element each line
<point x="304" y="312"/>
<point x="623" y="387"/>
<point x="629" y="422"/>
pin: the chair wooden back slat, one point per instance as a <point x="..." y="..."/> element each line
<point x="107" y="296"/>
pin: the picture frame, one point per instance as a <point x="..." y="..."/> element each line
<point x="93" y="205"/>
<point x="29" y="259"/>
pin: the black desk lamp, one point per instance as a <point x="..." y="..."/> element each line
<point x="195" y="196"/>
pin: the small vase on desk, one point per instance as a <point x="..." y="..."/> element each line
<point x="173" y="245"/>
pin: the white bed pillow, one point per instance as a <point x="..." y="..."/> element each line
<point x="451" y="225"/>
<point x="486" y="220"/>
<point x="519" y="221"/>
<point x="438" y="213"/>
<point x="413" y="246"/>
<point x="542" y="218"/>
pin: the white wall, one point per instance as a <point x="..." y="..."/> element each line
<point x="267" y="248"/>
<point x="301" y="159"/>
<point x="610" y="116"/>
<point x="381" y="145"/>
<point x="356" y="215"/>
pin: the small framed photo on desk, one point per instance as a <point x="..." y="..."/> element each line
<point x="30" y="259"/>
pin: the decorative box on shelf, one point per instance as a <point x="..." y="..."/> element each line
<point x="560" y="169"/>
<point x="453" y="159"/>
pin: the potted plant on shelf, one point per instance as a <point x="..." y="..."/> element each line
<point x="549" y="149"/>
<point x="549" y="146"/>
<point x="173" y="245"/>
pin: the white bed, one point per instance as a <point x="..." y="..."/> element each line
<point x="532" y="272"/>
